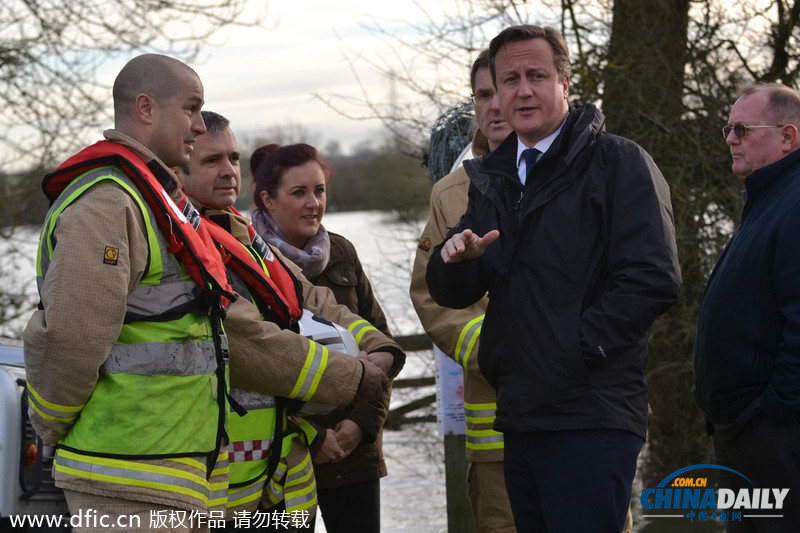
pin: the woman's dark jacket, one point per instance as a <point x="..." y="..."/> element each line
<point x="585" y="262"/>
<point x="351" y="287"/>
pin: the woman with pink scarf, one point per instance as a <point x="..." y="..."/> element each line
<point x="291" y="185"/>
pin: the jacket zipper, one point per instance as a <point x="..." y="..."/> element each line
<point x="517" y="207"/>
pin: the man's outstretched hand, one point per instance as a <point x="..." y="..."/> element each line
<point x="466" y="245"/>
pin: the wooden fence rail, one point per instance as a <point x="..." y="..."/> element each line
<point x="404" y="414"/>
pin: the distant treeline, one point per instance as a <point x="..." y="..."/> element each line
<point x="383" y="179"/>
<point x="369" y="179"/>
<point x="21" y="198"/>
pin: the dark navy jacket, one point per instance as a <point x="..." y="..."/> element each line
<point x="585" y="262"/>
<point x="747" y="349"/>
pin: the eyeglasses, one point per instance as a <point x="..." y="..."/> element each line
<point x="481" y="97"/>
<point x="740" y="130"/>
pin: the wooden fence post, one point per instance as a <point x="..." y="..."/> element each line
<point x="459" y="510"/>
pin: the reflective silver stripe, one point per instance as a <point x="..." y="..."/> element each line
<point x="154" y="300"/>
<point x="467" y="340"/>
<point x="98" y="471"/>
<point x="66" y="414"/>
<point x="219" y="494"/>
<point x="293" y="477"/>
<point x="275" y="493"/>
<point x="252" y="400"/>
<point x="280" y="470"/>
<point x="293" y="502"/>
<point x="274" y="488"/>
<point x="173" y="358"/>
<point x="222" y="463"/>
<point x="217" y="497"/>
<point x="359" y="328"/>
<point x="306" y="486"/>
<point x="319" y="353"/>
<point x="235" y="495"/>
<point x="483" y="439"/>
<point x="479" y="413"/>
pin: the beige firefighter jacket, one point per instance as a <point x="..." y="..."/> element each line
<point x="446" y="326"/>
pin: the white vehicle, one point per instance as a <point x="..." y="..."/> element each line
<point x="26" y="483"/>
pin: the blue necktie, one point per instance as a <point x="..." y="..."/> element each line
<point x="531" y="155"/>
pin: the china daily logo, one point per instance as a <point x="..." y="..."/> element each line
<point x="689" y="491"/>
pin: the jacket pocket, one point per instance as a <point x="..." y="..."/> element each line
<point x="342" y="274"/>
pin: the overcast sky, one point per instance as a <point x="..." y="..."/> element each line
<point x="267" y="76"/>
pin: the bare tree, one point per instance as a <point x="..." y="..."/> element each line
<point x="51" y="99"/>
<point x="671" y="90"/>
<point x="665" y="73"/>
<point x="50" y="53"/>
<point x="431" y="56"/>
<point x="428" y="64"/>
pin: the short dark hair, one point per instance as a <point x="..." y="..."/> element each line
<point x="526" y="32"/>
<point x="482" y="61"/>
<point x="215" y="122"/>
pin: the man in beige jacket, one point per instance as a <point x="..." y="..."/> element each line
<point x="126" y="359"/>
<point x="457" y="331"/>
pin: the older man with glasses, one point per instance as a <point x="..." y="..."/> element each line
<point x="747" y="350"/>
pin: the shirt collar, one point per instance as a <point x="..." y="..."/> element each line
<point x="542" y="145"/>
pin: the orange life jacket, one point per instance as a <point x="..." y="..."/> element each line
<point x="179" y="223"/>
<point x="279" y="295"/>
<point x="186" y="238"/>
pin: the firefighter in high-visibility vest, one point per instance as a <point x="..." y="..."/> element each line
<point x="126" y="357"/>
<point x="270" y="461"/>
<point x="457" y="331"/>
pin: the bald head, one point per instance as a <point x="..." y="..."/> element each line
<point x="157" y="101"/>
<point x="152" y="74"/>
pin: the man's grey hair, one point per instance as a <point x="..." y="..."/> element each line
<point x="215" y="122"/>
<point x="783" y="104"/>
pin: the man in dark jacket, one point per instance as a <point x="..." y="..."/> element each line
<point x="578" y="256"/>
<point x="747" y="349"/>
